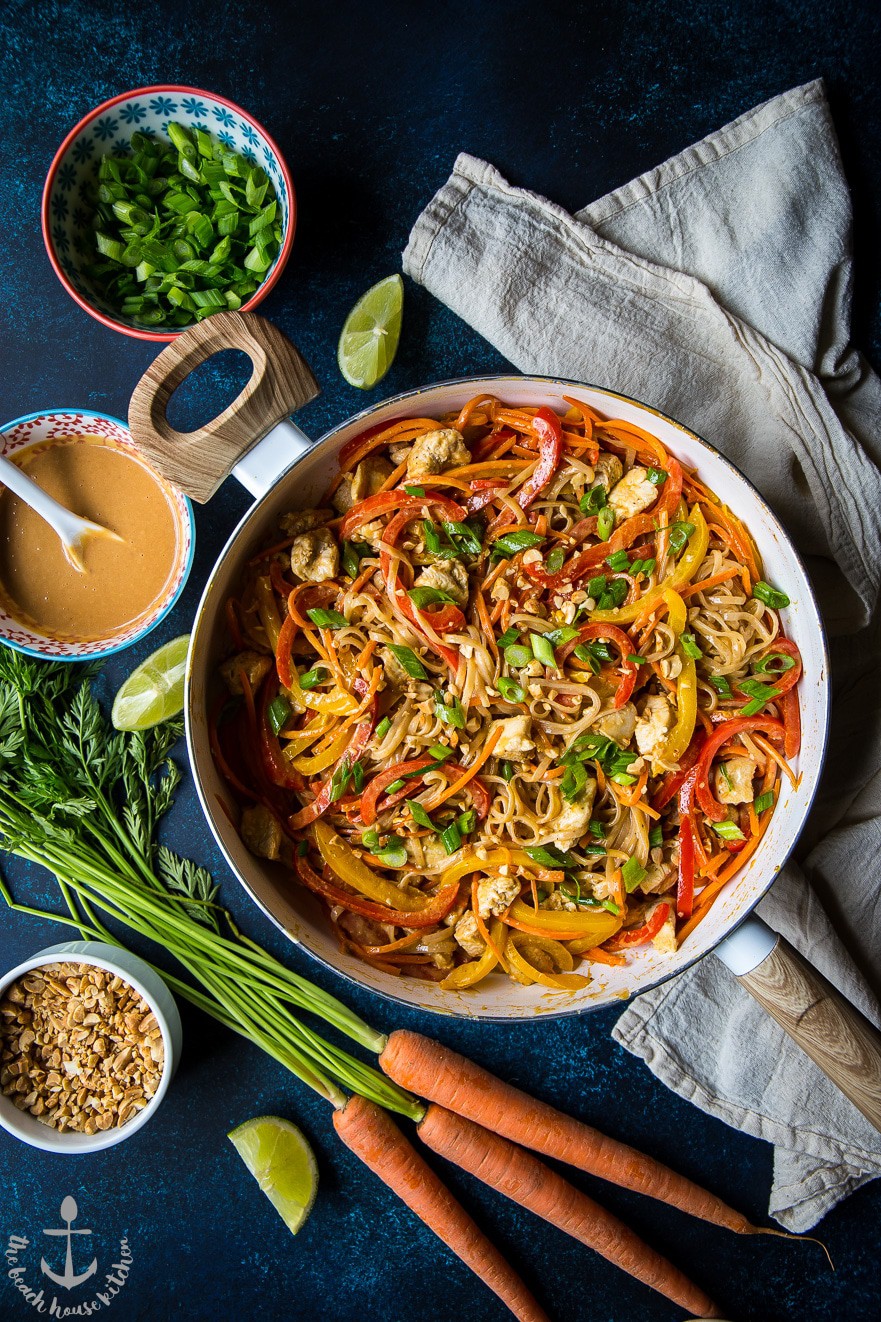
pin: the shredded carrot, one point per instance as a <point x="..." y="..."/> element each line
<point x="394" y="476"/>
<point x="365" y="654"/>
<point x="771" y="751"/>
<point x="599" y="956"/>
<point x="482" y="927"/>
<point x="707" y="583"/>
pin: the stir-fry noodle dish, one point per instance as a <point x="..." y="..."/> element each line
<point x="514" y="700"/>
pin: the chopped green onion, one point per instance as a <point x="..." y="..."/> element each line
<point x="517" y="655"/>
<point x="451" y="838"/>
<point x="728" y="830"/>
<point x="597" y="828"/>
<point x="772" y="597"/>
<point x="383" y="728"/>
<point x="633" y="874"/>
<point x="358" y="776"/>
<point x="370" y="840"/>
<point x="507" y="770"/>
<point x="549" y="856"/>
<point x="774" y="663"/>
<point x="325" y="619"/>
<point x="721" y="685"/>
<point x="510" y="690"/>
<point x="339" y="781"/>
<point x="542" y="650"/>
<point x="352" y="554"/>
<point x="415" y="491"/>
<point x="440" y="752"/>
<point x="452" y="714"/>
<point x="679" y="535"/>
<point x="657" y="476"/>
<point x="619" y="562"/>
<point x="393" y="853"/>
<point x="467" y="821"/>
<point x="656" y="837"/>
<point x="558" y="637"/>
<point x="574" y="781"/>
<point x="599" y="850"/>
<point x="764" y="801"/>
<point x="614" y="594"/>
<point x="605" y="523"/>
<point x="513" y="542"/>
<point x="409" y="660"/>
<point x="596" y="586"/>
<point x="753" y="708"/>
<point x="554" y="562"/>
<point x="593" y="501"/>
<point x="423" y="597"/>
<point x="584" y="653"/>
<point x="636" y="660"/>
<point x="507" y="638"/>
<point x="465" y="536"/>
<point x="689" y="646"/>
<point x="419" y="815"/>
<point x="726" y="776"/>
<point x="395" y="785"/>
<point x="611" y="906"/>
<point x="435" y="544"/>
<point x="310" y="679"/>
<point x="278" y="712"/>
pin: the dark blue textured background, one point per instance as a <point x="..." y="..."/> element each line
<point x="370" y="103"/>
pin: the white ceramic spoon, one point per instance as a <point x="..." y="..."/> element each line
<point x="72" y="530"/>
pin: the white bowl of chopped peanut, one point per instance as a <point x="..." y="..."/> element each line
<point x="90" y="1037"/>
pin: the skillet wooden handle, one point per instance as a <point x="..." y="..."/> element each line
<point x="198" y="461"/>
<point x="826" y="1026"/>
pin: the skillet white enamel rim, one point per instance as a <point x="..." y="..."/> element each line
<point x="287" y="471"/>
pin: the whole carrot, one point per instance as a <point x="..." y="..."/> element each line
<point x="522" y="1177"/>
<point x="374" y="1137"/>
<point x="443" y="1076"/>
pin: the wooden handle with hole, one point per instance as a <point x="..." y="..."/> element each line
<point x="198" y="461"/>
<point x="824" y="1024"/>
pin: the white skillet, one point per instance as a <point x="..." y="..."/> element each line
<point x="287" y="471"/>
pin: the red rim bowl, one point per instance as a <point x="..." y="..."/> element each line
<point x="139" y="110"/>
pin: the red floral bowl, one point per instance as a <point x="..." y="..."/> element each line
<point x="66" y="210"/>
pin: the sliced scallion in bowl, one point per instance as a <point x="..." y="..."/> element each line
<point x="182" y="228"/>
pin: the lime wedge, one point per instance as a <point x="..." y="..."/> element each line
<point x="369" y="339"/>
<point x="279" y="1157"/>
<point x="155" y="691"/>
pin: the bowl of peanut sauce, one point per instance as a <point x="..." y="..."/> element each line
<point x="88" y="462"/>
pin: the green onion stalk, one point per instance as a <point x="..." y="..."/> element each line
<point x="85" y="802"/>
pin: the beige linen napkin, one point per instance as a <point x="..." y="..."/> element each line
<point x="717" y="287"/>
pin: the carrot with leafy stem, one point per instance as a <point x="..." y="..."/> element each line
<point x="522" y="1177"/>
<point x="373" y="1136"/>
<point x="430" y="1070"/>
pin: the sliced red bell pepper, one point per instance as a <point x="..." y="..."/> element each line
<point x="639" y="936"/>
<point x="625" y="645"/>
<point x="707" y="801"/>
<point x="791" y="723"/>
<point x="413" y="918"/>
<point x="593" y="556"/>
<point x="486" y="448"/>
<point x="372" y="792"/>
<point x="283" y="659"/>
<point x="788" y="680"/>
<point x="384" y="502"/>
<point x="673" y="781"/>
<point x="685" y="881"/>
<point x="484" y="491"/>
<point x="546" y="426"/>
<point x="276" y="766"/>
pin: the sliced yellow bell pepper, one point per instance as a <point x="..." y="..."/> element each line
<point x="346" y="864"/>
<point x="335" y="702"/>
<point x="563" y="981"/>
<point x="682" y="572"/>
<point x="310" y="766"/>
<point x="598" y="924"/>
<point x="297" y="741"/>
<point x="268" y="610"/>
<point x="686" y="687"/>
<point x="468" y="975"/>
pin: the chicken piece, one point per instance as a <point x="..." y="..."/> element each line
<point x="363" y="930"/>
<point x="633" y="494"/>
<point x="653" y="726"/>
<point x="315" y="556"/>
<point x="514" y="741"/>
<point x="734" y="780"/>
<point x="658" y="879"/>
<point x="437" y="451"/>
<point x="494" y="894"/>
<point x="468" y="936"/>
<point x="365" y="481"/>
<point x="256" y="666"/>
<point x="572" y="821"/>
<point x="665" y="940"/>
<point x="371" y="533"/>
<point x="399" y="452"/>
<point x="261" y="832"/>
<point x="557" y="902"/>
<point x="608" y="471"/>
<point x="618" y="725"/>
<point x="303" y="521"/>
<point x="450" y="577"/>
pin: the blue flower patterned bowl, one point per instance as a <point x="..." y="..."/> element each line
<point x="66" y="212"/>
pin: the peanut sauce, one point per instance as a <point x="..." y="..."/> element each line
<point x="123" y="580"/>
